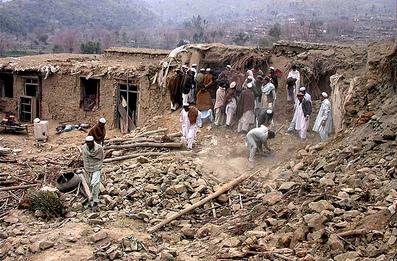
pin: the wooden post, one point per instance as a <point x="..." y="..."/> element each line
<point x="219" y="192"/>
<point x="128" y="104"/>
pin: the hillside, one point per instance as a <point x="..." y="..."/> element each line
<point x="23" y="16"/>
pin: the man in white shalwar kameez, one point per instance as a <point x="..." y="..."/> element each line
<point x="93" y="161"/>
<point x="185" y="119"/>
<point x="294" y="73"/>
<point x="307" y="97"/>
<point x="194" y="115"/>
<point x="256" y="138"/>
<point x="323" y="124"/>
<point x="303" y="111"/>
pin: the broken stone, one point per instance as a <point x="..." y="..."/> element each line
<point x="327" y="182"/>
<point x="286" y="186"/>
<point x="273" y="197"/>
<point x="331" y="166"/>
<point x="222" y="198"/>
<point x="349" y="256"/>
<point x="142" y="160"/>
<point x="43" y="245"/>
<point x="388" y="135"/>
<point x="180" y="188"/>
<point x="35" y="247"/>
<point x="232" y="242"/>
<point x="188" y="232"/>
<point x="11" y="220"/>
<point x="335" y="243"/>
<point x="99" y="236"/>
<point x="320" y="206"/>
<point x="299" y="166"/>
<point x="315" y="221"/>
<point x="207" y="229"/>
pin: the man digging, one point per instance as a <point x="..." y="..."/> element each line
<point x="255" y="139"/>
<point x="93" y="162"/>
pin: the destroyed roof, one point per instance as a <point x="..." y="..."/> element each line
<point x="97" y="65"/>
<point x="313" y="46"/>
<point x="124" y="50"/>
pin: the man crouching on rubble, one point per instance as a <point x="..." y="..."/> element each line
<point x="256" y="138"/>
<point x="93" y="161"/>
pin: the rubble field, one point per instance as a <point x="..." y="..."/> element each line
<point x="306" y="200"/>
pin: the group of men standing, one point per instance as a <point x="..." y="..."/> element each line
<point x="303" y="108"/>
<point x="231" y="98"/>
<point x="226" y="98"/>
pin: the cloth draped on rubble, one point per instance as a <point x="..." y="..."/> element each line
<point x="323" y="123"/>
<point x="89" y="102"/>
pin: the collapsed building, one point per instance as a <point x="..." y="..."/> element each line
<point x="75" y="88"/>
<point x="80" y="88"/>
<point x="320" y="201"/>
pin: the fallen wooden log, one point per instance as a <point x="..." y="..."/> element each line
<point x="214" y="195"/>
<point x="18" y="187"/>
<point x="151" y="132"/>
<point x="145" y="144"/>
<point x="131" y="156"/>
<point x="8" y="161"/>
<point x="357" y="232"/>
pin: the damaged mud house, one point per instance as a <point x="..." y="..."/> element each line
<point x="81" y="88"/>
<point x="313" y="201"/>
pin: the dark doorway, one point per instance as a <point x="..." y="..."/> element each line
<point x="127" y="101"/>
<point x="6" y="85"/>
<point x="90" y="90"/>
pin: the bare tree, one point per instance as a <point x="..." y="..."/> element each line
<point x="70" y="40"/>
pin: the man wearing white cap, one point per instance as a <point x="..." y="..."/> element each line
<point x="268" y="94"/>
<point x="93" y="162"/>
<point x="307" y="96"/>
<point x="323" y="124"/>
<point x="192" y="95"/>
<point x="294" y="73"/>
<point x="184" y="119"/>
<point x="219" y="108"/>
<point x="245" y="109"/>
<point x="264" y="116"/>
<point x="99" y="131"/>
<point x="207" y="77"/>
<point x="230" y="105"/>
<point x="273" y="76"/>
<point x="199" y="79"/>
<point x="256" y="138"/>
<point x="302" y="115"/>
<point x="226" y="74"/>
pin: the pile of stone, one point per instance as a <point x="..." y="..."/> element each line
<point x="329" y="202"/>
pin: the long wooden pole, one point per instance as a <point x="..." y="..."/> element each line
<point x="18" y="187"/>
<point x="151" y="132"/>
<point x="148" y="154"/>
<point x="214" y="195"/>
<point x="145" y="144"/>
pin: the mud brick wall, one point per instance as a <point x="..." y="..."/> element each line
<point x="61" y="100"/>
<point x="152" y="101"/>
